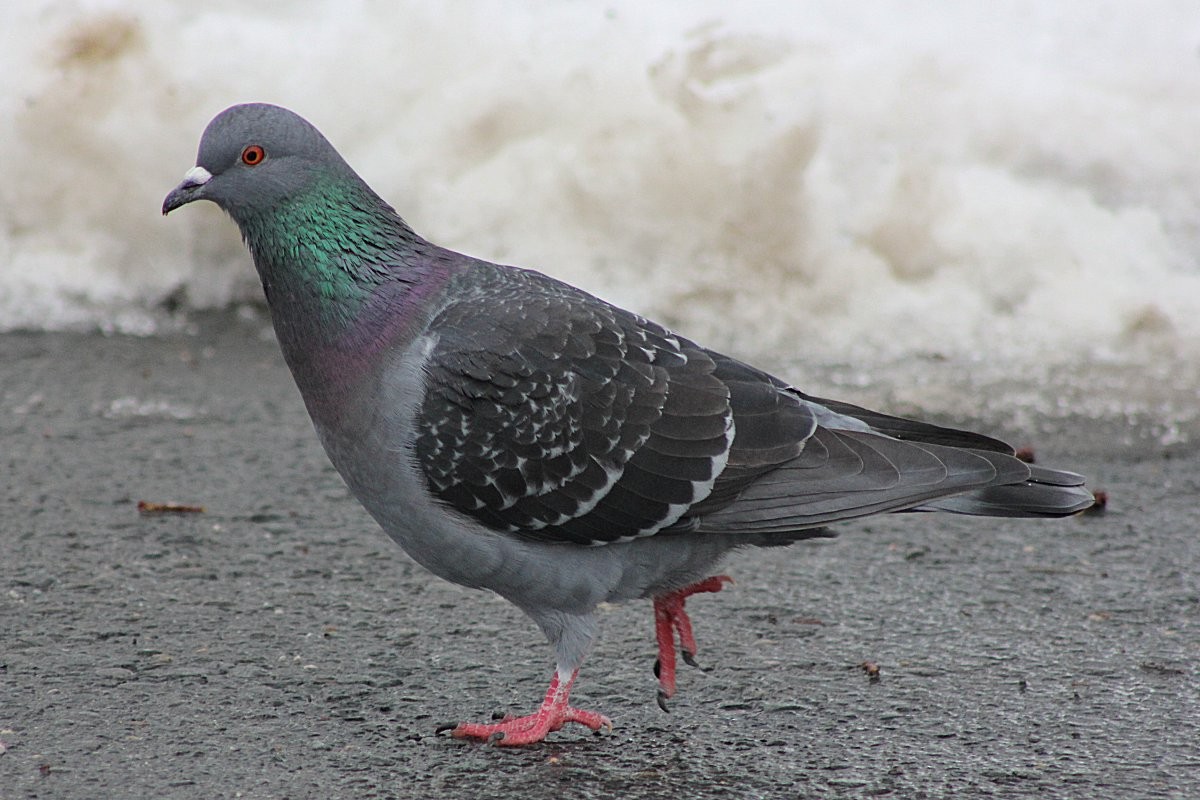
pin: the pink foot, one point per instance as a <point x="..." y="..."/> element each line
<point x="552" y="715"/>
<point x="670" y="619"/>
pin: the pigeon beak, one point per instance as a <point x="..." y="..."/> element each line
<point x="187" y="190"/>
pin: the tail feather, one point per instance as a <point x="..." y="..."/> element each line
<point x="1047" y="493"/>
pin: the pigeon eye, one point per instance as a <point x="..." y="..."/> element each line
<point x="253" y="155"/>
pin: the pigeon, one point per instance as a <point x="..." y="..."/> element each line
<point x="514" y="433"/>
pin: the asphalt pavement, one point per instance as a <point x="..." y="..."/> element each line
<point x="277" y="645"/>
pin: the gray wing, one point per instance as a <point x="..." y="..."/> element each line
<point x="1043" y="492"/>
<point x="859" y="462"/>
<point x="552" y="415"/>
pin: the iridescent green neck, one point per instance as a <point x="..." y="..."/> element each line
<point x="322" y="254"/>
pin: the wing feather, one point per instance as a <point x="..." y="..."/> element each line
<point x="552" y="415"/>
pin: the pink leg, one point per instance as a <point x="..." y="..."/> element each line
<point x="670" y="619"/>
<point x="550" y="716"/>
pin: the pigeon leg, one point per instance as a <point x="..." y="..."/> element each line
<point x="550" y="716"/>
<point x="670" y="619"/>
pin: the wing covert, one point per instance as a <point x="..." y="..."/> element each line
<point x="552" y="415"/>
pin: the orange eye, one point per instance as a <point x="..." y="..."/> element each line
<point x="253" y="155"/>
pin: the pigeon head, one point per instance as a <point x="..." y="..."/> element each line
<point x="321" y="239"/>
<point x="255" y="157"/>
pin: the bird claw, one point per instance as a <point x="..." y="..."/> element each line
<point x="671" y="620"/>
<point x="445" y="727"/>
<point x="552" y="715"/>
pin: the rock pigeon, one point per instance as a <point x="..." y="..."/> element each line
<point x="514" y="433"/>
